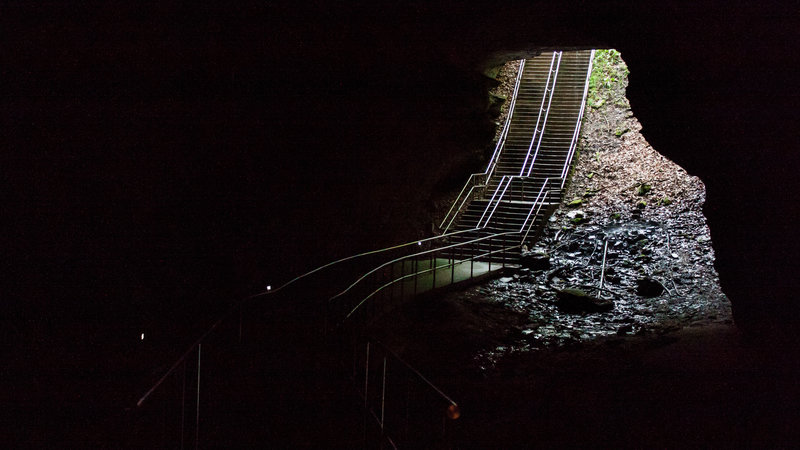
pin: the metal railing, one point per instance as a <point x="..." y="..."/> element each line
<point x="539" y="132"/>
<point x="402" y="408"/>
<point x="511" y="185"/>
<point x="478" y="180"/>
<point x="394" y="281"/>
<point x="576" y="133"/>
<point x="183" y="399"/>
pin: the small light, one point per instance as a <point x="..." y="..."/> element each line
<point x="453" y="412"/>
<point x="142" y="336"/>
<point x="419" y="243"/>
<point x="269" y="288"/>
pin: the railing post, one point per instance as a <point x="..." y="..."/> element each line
<point x="416" y="275"/>
<point x="183" y="404"/>
<point x="472" y="261"/>
<point x="433" y="270"/>
<point x="383" y="396"/>
<point x="453" y="267"/>
<point x="197" y="413"/>
<point x="490" y="254"/>
<point x="503" y="252"/>
<point x="366" y="395"/>
<point x="402" y="280"/>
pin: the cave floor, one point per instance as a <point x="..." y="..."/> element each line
<point x="697" y="386"/>
<point x="664" y="368"/>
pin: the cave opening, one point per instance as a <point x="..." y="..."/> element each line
<point x="629" y="236"/>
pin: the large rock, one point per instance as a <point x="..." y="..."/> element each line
<point x="577" y="300"/>
<point x="536" y="259"/>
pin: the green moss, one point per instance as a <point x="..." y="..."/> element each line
<point x="643" y="189"/>
<point x="665" y="201"/>
<point x="608" y="68"/>
<point x="642" y="204"/>
<point x="575" y="203"/>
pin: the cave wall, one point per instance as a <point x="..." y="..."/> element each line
<point x="713" y="85"/>
<point x="183" y="150"/>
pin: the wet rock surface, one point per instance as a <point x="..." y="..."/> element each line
<point x="529" y="370"/>
<point x="639" y="227"/>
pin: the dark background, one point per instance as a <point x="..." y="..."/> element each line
<point x="162" y="160"/>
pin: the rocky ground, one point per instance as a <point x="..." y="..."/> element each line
<point x="626" y="204"/>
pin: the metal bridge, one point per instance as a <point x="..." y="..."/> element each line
<point x="270" y="370"/>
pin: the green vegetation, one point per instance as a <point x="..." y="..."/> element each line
<point x="643" y="189"/>
<point x="579" y="220"/>
<point x="608" y="68"/>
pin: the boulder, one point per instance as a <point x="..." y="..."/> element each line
<point x="576" y="300"/>
<point x="536" y="259"/>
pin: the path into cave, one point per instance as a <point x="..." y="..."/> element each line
<point x="663" y="369"/>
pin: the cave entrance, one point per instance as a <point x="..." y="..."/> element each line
<point x="629" y="232"/>
<point x="630" y="221"/>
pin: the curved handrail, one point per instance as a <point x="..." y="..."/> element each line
<point x="376" y="269"/>
<point x="506" y="179"/>
<point x="370" y="295"/>
<point x="271" y="291"/>
<point x="537" y="205"/>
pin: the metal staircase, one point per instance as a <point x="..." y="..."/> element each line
<point x="249" y="360"/>
<point x="533" y="157"/>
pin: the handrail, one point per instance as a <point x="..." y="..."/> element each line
<point x="425" y="252"/>
<point x="492" y="161"/>
<point x="497" y="203"/>
<point x="504" y="135"/>
<point x="539" y="132"/>
<point x="415" y="371"/>
<point x="507" y="179"/>
<point x="469" y="180"/>
<point x="466" y="197"/>
<point x="539" y="201"/>
<point x="576" y="133"/>
<point x="488" y="205"/>
<point x="546" y="115"/>
<point x="380" y="288"/>
<point x="538" y="210"/>
<point x="382" y="413"/>
<point x="544" y="185"/>
<point x="271" y="291"/>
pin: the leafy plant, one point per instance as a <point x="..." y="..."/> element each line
<point x="608" y="68"/>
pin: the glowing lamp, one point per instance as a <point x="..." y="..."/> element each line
<point x="453" y="412"/>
